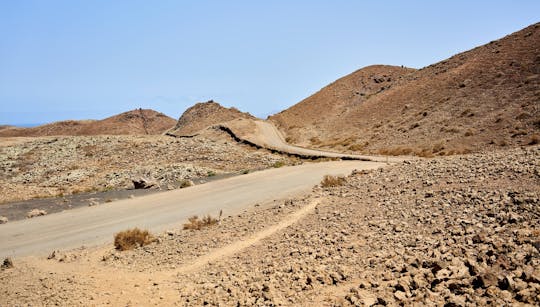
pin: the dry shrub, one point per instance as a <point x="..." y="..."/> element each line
<point x="132" y="238"/>
<point x="535" y="139"/>
<point x="332" y="181"/>
<point x="469" y="132"/>
<point x="197" y="224"/>
<point x="396" y="151"/>
<point x="315" y="140"/>
<point x="278" y="164"/>
<point x="335" y="142"/>
<point x="185" y="183"/>
<point x="439" y="148"/>
<point x="356" y="147"/>
<point x="89" y="150"/>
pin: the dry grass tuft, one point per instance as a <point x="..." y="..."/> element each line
<point x="278" y="164"/>
<point x="332" y="181"/>
<point x="132" y="238"/>
<point x="439" y="149"/>
<point x="186" y="183"/>
<point x="197" y="224"/>
<point x="535" y="139"/>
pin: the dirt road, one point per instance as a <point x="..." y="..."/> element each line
<point x="268" y="136"/>
<point x="96" y="225"/>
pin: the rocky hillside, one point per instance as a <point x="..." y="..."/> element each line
<point x="205" y="114"/>
<point x="483" y="98"/>
<point x="133" y="122"/>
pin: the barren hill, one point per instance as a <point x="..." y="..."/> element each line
<point x="133" y="122"/>
<point x="486" y="97"/>
<point x="205" y="114"/>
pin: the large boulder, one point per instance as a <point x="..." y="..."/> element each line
<point x="143" y="183"/>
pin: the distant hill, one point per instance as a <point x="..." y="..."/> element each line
<point x="2" y="127"/>
<point x="203" y="115"/>
<point x="483" y="98"/>
<point x="139" y="121"/>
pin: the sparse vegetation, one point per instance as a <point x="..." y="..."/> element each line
<point x="186" y="183"/>
<point x="132" y="238"/>
<point x="356" y="147"/>
<point x="332" y="181"/>
<point x="535" y="139"/>
<point x="195" y="223"/>
<point x="315" y="140"/>
<point x="469" y="132"/>
<point x="439" y="148"/>
<point x="211" y="173"/>
<point x="278" y="164"/>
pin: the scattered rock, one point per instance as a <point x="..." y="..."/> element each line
<point x="3" y="220"/>
<point x="35" y="212"/>
<point x="7" y="264"/>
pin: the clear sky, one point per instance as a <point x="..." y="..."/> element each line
<point x="92" y="59"/>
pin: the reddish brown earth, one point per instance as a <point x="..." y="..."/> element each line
<point x="484" y="98"/>
<point x="203" y="115"/>
<point x="133" y="122"/>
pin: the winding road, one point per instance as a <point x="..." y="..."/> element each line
<point x="266" y="135"/>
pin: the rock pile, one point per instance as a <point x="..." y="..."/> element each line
<point x="460" y="230"/>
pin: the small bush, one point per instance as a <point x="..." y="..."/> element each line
<point x="396" y="151"/>
<point x="315" y="140"/>
<point x="132" y="238"/>
<point x="332" y="181"/>
<point x="185" y="183"/>
<point x="535" y="139"/>
<point x="211" y="173"/>
<point x="197" y="224"/>
<point x="278" y="164"/>
<point x="469" y="132"/>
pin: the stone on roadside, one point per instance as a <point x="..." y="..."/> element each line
<point x="35" y="212"/>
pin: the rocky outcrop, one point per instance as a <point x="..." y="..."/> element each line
<point x="203" y="115"/>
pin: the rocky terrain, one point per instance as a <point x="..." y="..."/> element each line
<point x="139" y="121"/>
<point x="460" y="230"/>
<point x="484" y="98"/>
<point x="203" y="115"/>
<point x="60" y="166"/>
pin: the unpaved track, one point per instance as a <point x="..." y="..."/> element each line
<point x="268" y="136"/>
<point x="97" y="225"/>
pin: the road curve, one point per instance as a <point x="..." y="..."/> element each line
<point x="96" y="225"/>
<point x="266" y="135"/>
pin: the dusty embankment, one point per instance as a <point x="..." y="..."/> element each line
<point x="59" y="166"/>
<point x="459" y="230"/>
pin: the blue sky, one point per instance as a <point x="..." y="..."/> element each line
<point x="92" y="59"/>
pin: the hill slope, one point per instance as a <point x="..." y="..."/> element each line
<point x="205" y="114"/>
<point x="133" y="122"/>
<point x="486" y="97"/>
